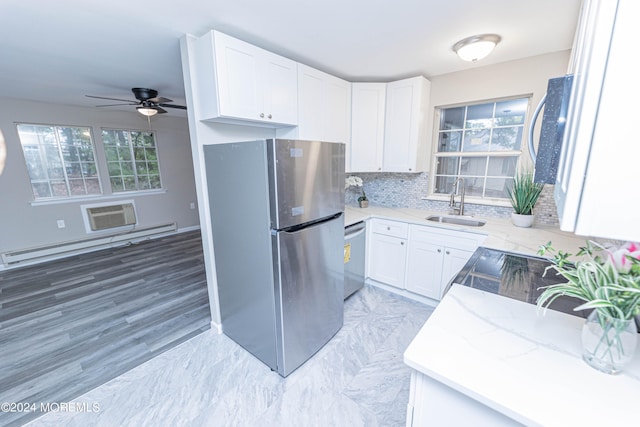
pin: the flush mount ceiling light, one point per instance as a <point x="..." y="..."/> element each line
<point x="147" y="111"/>
<point x="474" y="48"/>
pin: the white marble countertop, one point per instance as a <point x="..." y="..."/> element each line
<point x="501" y="233"/>
<point x="526" y="365"/>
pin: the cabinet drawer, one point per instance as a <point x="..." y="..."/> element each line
<point x="390" y="228"/>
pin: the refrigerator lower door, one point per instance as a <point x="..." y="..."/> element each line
<point x="309" y="269"/>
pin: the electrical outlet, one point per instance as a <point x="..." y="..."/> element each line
<point x="61" y="223"/>
<point x="192" y="205"/>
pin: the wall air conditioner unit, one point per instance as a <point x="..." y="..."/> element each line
<point x="105" y="217"/>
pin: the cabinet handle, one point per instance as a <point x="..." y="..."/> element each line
<point x="439" y="250"/>
<point x="409" y="168"/>
<point x="262" y="115"/>
<point x="379" y="169"/>
<point x="269" y="115"/>
<point x="388" y="228"/>
<point x="448" y="253"/>
<point x="402" y="243"/>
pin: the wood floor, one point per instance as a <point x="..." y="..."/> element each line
<point x="69" y="325"/>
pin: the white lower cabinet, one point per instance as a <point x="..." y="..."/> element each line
<point x="388" y="252"/>
<point x="416" y="258"/>
<point x="454" y="260"/>
<point x="424" y="270"/>
<point x="435" y="257"/>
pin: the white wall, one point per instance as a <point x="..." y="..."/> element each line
<point x="24" y="225"/>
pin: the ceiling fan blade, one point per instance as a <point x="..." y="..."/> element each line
<point x="159" y="100"/>
<point x="160" y="110"/>
<point x="111" y="105"/>
<point x="113" y="99"/>
<point x="181" y="107"/>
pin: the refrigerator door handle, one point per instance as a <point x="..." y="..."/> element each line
<point x="299" y="227"/>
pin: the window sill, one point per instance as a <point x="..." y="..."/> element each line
<point x="114" y="196"/>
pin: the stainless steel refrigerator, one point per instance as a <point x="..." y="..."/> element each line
<point x="277" y="226"/>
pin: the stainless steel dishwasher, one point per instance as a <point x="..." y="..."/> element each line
<point x="354" y="253"/>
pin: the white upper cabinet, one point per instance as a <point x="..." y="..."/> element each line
<point x="405" y="133"/>
<point x="599" y="162"/>
<point x="324" y="108"/>
<point x="337" y="110"/>
<point x="389" y="131"/>
<point x="367" y="126"/>
<point x="244" y="84"/>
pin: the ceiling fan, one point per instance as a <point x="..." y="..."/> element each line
<point x="148" y="102"/>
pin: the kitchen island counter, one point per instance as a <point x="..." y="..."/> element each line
<point x="492" y="358"/>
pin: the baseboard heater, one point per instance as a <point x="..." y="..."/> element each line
<point x="58" y="250"/>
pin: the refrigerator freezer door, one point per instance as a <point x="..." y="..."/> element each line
<point x="309" y="284"/>
<point x="306" y="181"/>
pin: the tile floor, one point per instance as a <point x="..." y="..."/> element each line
<point x="357" y="379"/>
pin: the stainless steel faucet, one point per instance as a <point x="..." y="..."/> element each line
<point x="452" y="202"/>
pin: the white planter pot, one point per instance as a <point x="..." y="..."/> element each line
<point x="524" y="221"/>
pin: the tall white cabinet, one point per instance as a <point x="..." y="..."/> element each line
<point x="389" y="132"/>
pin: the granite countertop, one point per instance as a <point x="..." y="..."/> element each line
<point x="501" y="233"/>
<point x="523" y="364"/>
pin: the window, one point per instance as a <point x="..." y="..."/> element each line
<point x="60" y="160"/>
<point x="482" y="144"/>
<point x="132" y="160"/>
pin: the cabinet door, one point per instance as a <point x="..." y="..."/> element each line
<point x="387" y="259"/>
<point x="310" y="103"/>
<point x="454" y="260"/>
<point x="324" y="107"/>
<point x="238" y="77"/>
<point x="590" y="55"/>
<point x="280" y="89"/>
<point x="337" y="110"/>
<point x="424" y="268"/>
<point x="605" y="208"/>
<point x="404" y="133"/>
<point x="367" y="126"/>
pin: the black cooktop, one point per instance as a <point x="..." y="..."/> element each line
<point x="514" y="276"/>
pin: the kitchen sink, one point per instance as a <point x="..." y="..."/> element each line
<point x="457" y="220"/>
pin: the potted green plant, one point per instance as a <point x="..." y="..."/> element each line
<point x="608" y="281"/>
<point x="523" y="195"/>
<point x="356" y="181"/>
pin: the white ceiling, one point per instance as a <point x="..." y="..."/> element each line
<point x="59" y="51"/>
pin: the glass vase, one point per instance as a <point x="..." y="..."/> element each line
<point x="608" y="344"/>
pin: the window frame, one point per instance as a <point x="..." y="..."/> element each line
<point x="435" y="155"/>
<point x="69" y="196"/>
<point x="138" y="190"/>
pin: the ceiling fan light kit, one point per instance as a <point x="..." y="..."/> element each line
<point x="147" y="111"/>
<point x="476" y="47"/>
